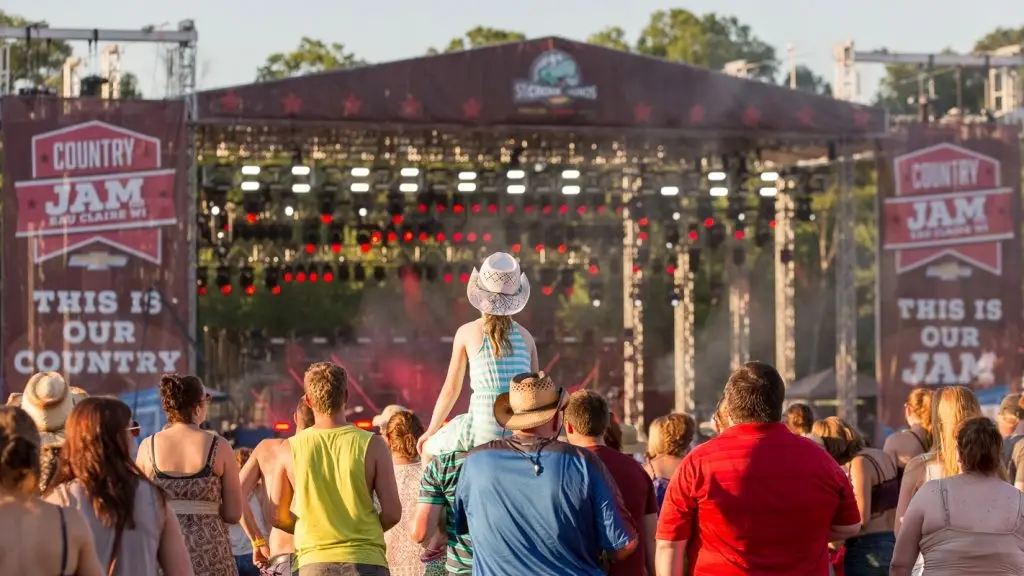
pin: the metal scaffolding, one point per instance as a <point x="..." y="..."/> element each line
<point x="739" y="308"/>
<point x="684" y="344"/>
<point x="785" y="312"/>
<point x="846" y="290"/>
<point x="632" y="310"/>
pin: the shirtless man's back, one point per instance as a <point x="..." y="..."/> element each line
<point x="263" y="465"/>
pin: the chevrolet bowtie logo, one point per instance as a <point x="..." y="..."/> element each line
<point x="98" y="261"/>
<point x="948" y="272"/>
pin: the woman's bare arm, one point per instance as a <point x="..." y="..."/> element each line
<point x="913" y="478"/>
<point x="861" y="478"/>
<point x="231" y="490"/>
<point x="908" y="539"/>
<point x="452" y="387"/>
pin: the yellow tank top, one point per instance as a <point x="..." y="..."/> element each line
<point x="337" y="522"/>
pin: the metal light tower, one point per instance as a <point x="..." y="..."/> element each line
<point x="739" y="305"/>
<point x="785" y="285"/>
<point x="684" y="343"/>
<point x="632" y="310"/>
<point x="846" y="291"/>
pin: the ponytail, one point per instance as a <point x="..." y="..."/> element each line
<point x="497" y="330"/>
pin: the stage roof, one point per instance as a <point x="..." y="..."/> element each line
<point x="544" y="84"/>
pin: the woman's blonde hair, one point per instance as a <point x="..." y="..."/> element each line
<point x="497" y="330"/>
<point x="919" y="402"/>
<point x="402" y="431"/>
<point x="842" y="441"/>
<point x="671" y="434"/>
<point x="952" y="406"/>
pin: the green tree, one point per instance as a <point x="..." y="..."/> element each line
<point x="481" y="36"/>
<point x="998" y="38"/>
<point x="613" y="37"/>
<point x="38" y="62"/>
<point x="310" y="57"/>
<point x="710" y="41"/>
<point x="130" y="87"/>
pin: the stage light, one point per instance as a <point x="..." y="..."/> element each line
<point x="669" y="190"/>
<point x="769" y="176"/>
<point x="311" y="235"/>
<point x="694" y="233"/>
<point x="516" y="189"/>
<point x="359" y="187"/>
<point x="737" y="208"/>
<point x="768" y="192"/>
<point x="408" y="235"/>
<point x="738" y="232"/>
<point x="487" y="237"/>
<point x="471" y="237"/>
<point x="410" y="172"/>
<point x="719" y="191"/>
<point x="593" y="268"/>
<point x="313" y="272"/>
<point x="288" y="273"/>
<point x="359" y="172"/>
<point x="408" y="187"/>
<point x="458" y="207"/>
<point x="694" y="254"/>
<point x="457" y="237"/>
<point x="301" y="170"/>
<point x="467" y="187"/>
<point x="358" y="272"/>
<point x="571" y="190"/>
<point x="224" y="279"/>
<point x="300" y="274"/>
<point x="446" y="274"/>
<point x="335" y="236"/>
<point x="344" y="274"/>
<point x="464" y="274"/>
<point x="716" y="176"/>
<point x="467" y="176"/>
<point x="202" y="278"/>
<point x="327" y="210"/>
<point x="547" y="290"/>
<point x="289" y="211"/>
<point x="674" y="299"/>
<point x="803" y="209"/>
<point x="251" y="170"/>
<point x="326" y="272"/>
<point x="271" y="278"/>
<point x="671" y="237"/>
<point x="515" y="174"/>
<point x="250" y="186"/>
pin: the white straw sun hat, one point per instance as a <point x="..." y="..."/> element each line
<point x="499" y="287"/>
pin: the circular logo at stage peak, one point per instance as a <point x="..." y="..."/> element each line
<point x="555" y="79"/>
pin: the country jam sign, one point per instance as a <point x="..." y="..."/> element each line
<point x="950" y="216"/>
<point x="96" y="183"/>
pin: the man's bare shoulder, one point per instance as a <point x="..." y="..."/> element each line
<point x="267" y="450"/>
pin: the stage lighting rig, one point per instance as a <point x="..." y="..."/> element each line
<point x="467" y="181"/>
<point x="313" y="272"/>
<point x="803" y="209"/>
<point x="344" y="273"/>
<point x="548" y="276"/>
<point x="272" y="278"/>
<point x="202" y="278"/>
<point x="359" y="180"/>
<point x="446" y="274"/>
<point x="737" y="208"/>
<point x="326" y="272"/>
<point x="335" y="236"/>
<point x="288" y="273"/>
<point x="739" y="232"/>
<point x="223" y="279"/>
<point x="595" y="291"/>
<point x="359" y="272"/>
<point x="769" y="185"/>
<point x="410" y="180"/>
<point x="246" y="278"/>
<point x="326" y="209"/>
<point x="693" y="233"/>
<point x="567" y="280"/>
<point x="311" y="235"/>
<point x="570" y="182"/>
<point x="464" y="273"/>
<point x="671" y="235"/>
<point x="593" y="267"/>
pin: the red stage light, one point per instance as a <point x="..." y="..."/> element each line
<point x="487" y="236"/>
<point x="642" y="222"/>
<point x="336" y="248"/>
<point x="547" y="290"/>
<point x="422" y="208"/>
<point x="288" y="277"/>
<point x="313" y="276"/>
<point x="670" y="269"/>
<point x="440" y="236"/>
<point x="447" y="277"/>
<point x="471" y="237"/>
<point x="392" y="236"/>
<point x="407" y="236"/>
<point x="275" y="290"/>
<point x="225" y="290"/>
<point x="581" y="209"/>
<point x="424" y="236"/>
<point x="593" y="270"/>
<point x="364" y="424"/>
<point x="771" y="224"/>
<point x="464" y="277"/>
<point x="375" y="237"/>
<point x="202" y="290"/>
<point x="396" y="219"/>
<point x="568" y="291"/>
<point x="328" y="276"/>
<point x="642" y="235"/>
<point x="517" y="247"/>
<point x="250" y="290"/>
<point x="693" y="235"/>
<point x="563" y="209"/>
<point x="251" y="218"/>
<point x="458" y="209"/>
<point x="709" y="222"/>
<point x="310" y="248"/>
<point x="562" y="248"/>
<point x="546" y="209"/>
<point x="475" y="208"/>
<point x="300" y="277"/>
<point x="282" y="427"/>
<point x="440" y="208"/>
<point x="636" y="269"/>
<point x="326" y="218"/>
<point x="601" y="209"/>
<point x="510" y="209"/>
<point x="364" y="248"/>
<point x="457" y="237"/>
<point x="529" y="208"/>
<point x="539" y="248"/>
<point x="493" y="208"/>
<point x="739" y="234"/>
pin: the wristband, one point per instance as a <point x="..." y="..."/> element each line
<point x="258" y="543"/>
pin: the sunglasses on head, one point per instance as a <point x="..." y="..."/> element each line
<point x="135" y="429"/>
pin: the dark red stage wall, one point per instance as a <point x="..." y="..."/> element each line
<point x="949" y="262"/>
<point x="96" y="281"/>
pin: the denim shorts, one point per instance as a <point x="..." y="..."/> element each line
<point x="332" y="569"/>
<point x="869" y="555"/>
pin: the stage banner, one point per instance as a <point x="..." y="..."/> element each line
<point x="948" y="304"/>
<point x="96" y="281"/>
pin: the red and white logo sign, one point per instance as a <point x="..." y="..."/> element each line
<point x="96" y="183"/>
<point x="948" y="203"/>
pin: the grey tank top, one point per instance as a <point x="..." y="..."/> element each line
<point x="139" y="546"/>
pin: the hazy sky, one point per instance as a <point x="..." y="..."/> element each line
<point x="235" y="35"/>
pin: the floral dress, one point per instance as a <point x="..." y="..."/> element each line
<point x="405" y="557"/>
<point x="196" y="499"/>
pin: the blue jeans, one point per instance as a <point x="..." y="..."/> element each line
<point x="869" y="555"/>
<point x="245" y="566"/>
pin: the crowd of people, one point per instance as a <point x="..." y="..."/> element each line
<point x="533" y="479"/>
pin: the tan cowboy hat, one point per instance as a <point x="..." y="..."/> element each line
<point x="499" y="287"/>
<point x="631" y="443"/>
<point x="48" y="400"/>
<point x="531" y="400"/>
<point x="381" y="420"/>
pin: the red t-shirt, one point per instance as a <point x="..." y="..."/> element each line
<point x="757" y="500"/>
<point x="637" y="491"/>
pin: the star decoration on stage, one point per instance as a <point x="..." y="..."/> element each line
<point x="805" y="116"/>
<point x="696" y="114"/>
<point x="352" y="105"/>
<point x="471" y="109"/>
<point x="861" y="118"/>
<point x="229" y="101"/>
<point x="642" y="113"/>
<point x="291" y="104"/>
<point x="411" y="107"/>
<point x="751" y="116"/>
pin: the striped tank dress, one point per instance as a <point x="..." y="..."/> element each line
<point x="489" y="376"/>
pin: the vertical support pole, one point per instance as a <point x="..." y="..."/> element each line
<point x="785" y="286"/>
<point x="739" y="306"/>
<point x="846" y="292"/>
<point x="632" y="311"/>
<point x="187" y="84"/>
<point x="684" y="343"/>
<point x="6" y="77"/>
